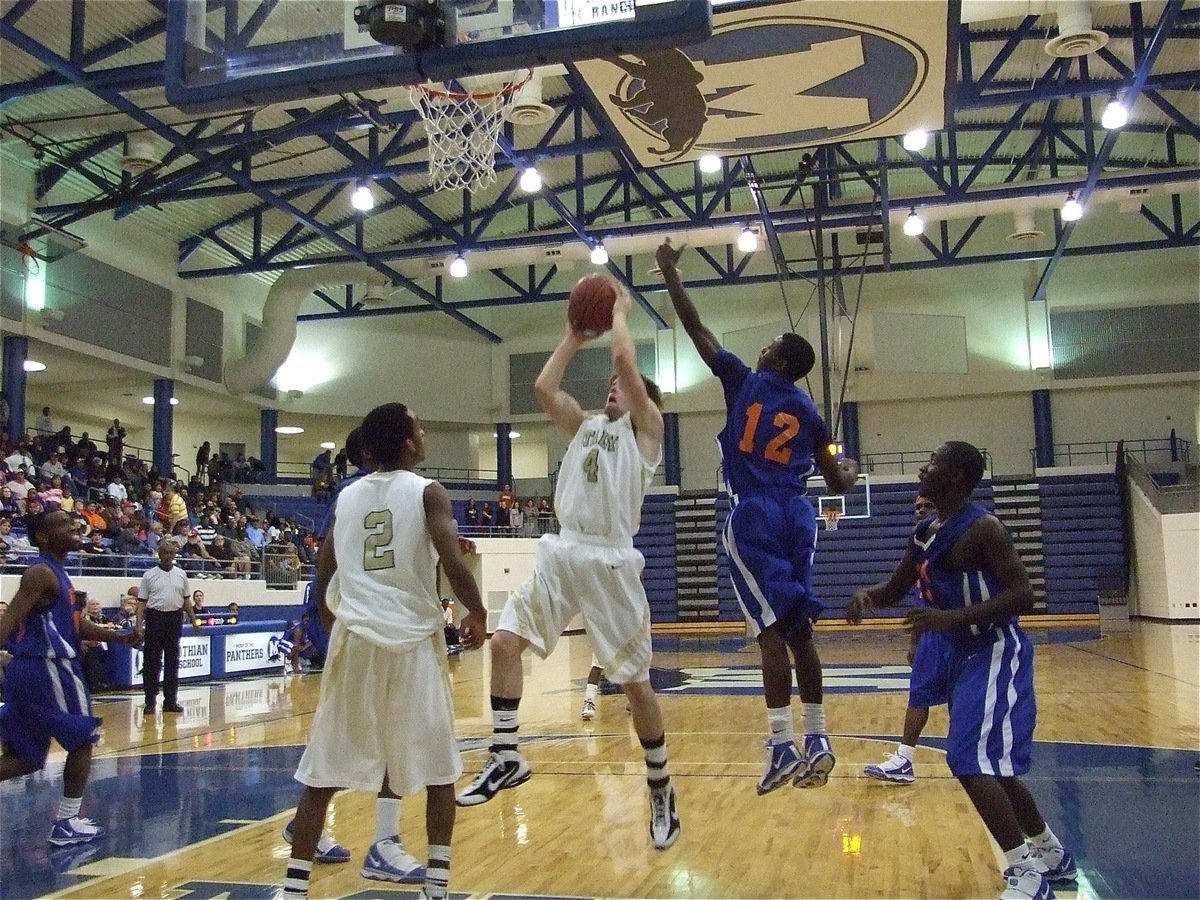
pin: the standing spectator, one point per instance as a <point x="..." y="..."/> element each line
<point x="176" y="508"/>
<point x="162" y="595"/>
<point x="545" y="516"/>
<point x="472" y="516"/>
<point x="485" y="519"/>
<point x="115" y="438"/>
<point x="530" y="518"/>
<point x="516" y="519"/>
<point x="341" y="464"/>
<point x="44" y="425"/>
<point x="203" y="454"/>
<point x="508" y="502"/>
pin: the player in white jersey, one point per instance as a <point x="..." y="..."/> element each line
<point x="386" y="704"/>
<point x="590" y="567"/>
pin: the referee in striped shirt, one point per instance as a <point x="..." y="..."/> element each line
<point x="164" y="598"/>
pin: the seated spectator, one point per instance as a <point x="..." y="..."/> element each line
<point x="22" y="460"/>
<point x="255" y="534"/>
<point x="449" y="628"/>
<point x="9" y="507"/>
<point x="116" y="488"/>
<point x="194" y="556"/>
<point x="20" y="488"/>
<point x="98" y="559"/>
<point x="283" y="566"/>
<point x="127" y="543"/>
<point x="94" y="651"/>
<point x="232" y="613"/>
<point x="127" y="617"/>
<point x="52" y="466"/>
<point x="52" y="496"/>
<point x="233" y="564"/>
<point x="198" y="602"/>
<point x="15" y="543"/>
<point x="91" y="515"/>
<point x="153" y="535"/>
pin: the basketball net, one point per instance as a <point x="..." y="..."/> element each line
<point x="831" y="516"/>
<point x="463" y="130"/>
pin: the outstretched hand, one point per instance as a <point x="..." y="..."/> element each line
<point x="859" y="603"/>
<point x="472" y="631"/>
<point x="667" y="256"/>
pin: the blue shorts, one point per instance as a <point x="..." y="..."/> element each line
<point x="43" y="699"/>
<point x="929" y="683"/>
<point x="771" y="541"/>
<point x="992" y="707"/>
<point x="310" y="620"/>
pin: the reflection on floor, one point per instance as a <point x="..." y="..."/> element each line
<point x="194" y="804"/>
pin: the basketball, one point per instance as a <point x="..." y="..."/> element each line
<point x="849" y="466"/>
<point x="590" y="307"/>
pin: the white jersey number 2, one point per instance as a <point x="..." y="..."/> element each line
<point x="376" y="554"/>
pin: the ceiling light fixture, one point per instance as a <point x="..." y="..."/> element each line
<point x="914" y="224"/>
<point x="599" y="254"/>
<point x="1115" y="115"/>
<point x="149" y="401"/>
<point x="514" y="434"/>
<point x="531" y="180"/>
<point x="32" y="365"/>
<point x="709" y="163"/>
<point x="362" y="199"/>
<point x="747" y="241"/>
<point x="916" y="139"/>
<point x="459" y="267"/>
<point x="1072" y="210"/>
<point x="289" y="429"/>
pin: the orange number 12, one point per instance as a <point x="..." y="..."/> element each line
<point x="775" y="450"/>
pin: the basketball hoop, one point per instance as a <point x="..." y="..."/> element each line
<point x="831" y="515"/>
<point x="463" y="130"/>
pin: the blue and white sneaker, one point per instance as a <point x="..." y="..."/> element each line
<point x="782" y="762"/>
<point x="1024" y="883"/>
<point x="818" y="754"/>
<point x="387" y="860"/>
<point x="503" y="769"/>
<point x="895" y="769"/>
<point x="75" y="830"/>
<point x="1060" y="864"/>
<point x="328" y="850"/>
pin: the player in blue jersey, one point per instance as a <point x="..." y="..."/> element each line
<point x="929" y="656"/>
<point x="773" y="441"/>
<point x="975" y="587"/>
<point x="44" y="691"/>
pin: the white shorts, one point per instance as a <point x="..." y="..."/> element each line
<point x="572" y="574"/>
<point x="382" y="711"/>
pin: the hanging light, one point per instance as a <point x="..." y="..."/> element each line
<point x="531" y="180"/>
<point x="149" y="401"/>
<point x="709" y="163"/>
<point x="1072" y="210"/>
<point x="1115" y="115"/>
<point x="514" y="434"/>
<point x="32" y="365"/>
<point x="458" y="267"/>
<point x="599" y="254"/>
<point x="362" y="199"/>
<point x="914" y="224"/>
<point x="916" y="139"/>
<point x="289" y="429"/>
<point x="747" y="240"/>
<point x="328" y="445"/>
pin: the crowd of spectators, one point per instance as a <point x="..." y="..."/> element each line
<point x="125" y="509"/>
<point x="511" y="517"/>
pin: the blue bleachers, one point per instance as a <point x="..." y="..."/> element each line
<point x="1083" y="528"/>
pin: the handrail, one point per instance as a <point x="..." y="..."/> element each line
<point x="1175" y="498"/>
<point x="1093" y="452"/>
<point x="902" y="461"/>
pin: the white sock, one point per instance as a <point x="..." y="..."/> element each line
<point x="295" y="882"/>
<point x="437" y="872"/>
<point x="1016" y="856"/>
<point x="387" y="818"/>
<point x="1046" y="840"/>
<point x="813" y="717"/>
<point x="68" y="807"/>
<point x="909" y="753"/>
<point x="780" y="722"/>
<point x="589" y="693"/>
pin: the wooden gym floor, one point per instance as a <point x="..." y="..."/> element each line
<point x="194" y="804"/>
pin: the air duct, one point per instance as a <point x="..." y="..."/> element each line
<point x="140" y="154"/>
<point x="278" y="334"/>
<point x="1024" y="228"/>
<point x="528" y="107"/>
<point x="1075" y="37"/>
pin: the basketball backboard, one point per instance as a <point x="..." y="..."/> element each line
<point x="236" y="54"/>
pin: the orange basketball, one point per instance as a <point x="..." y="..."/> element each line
<point x="590" y="306"/>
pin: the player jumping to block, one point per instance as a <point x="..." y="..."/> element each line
<point x="773" y="441"/>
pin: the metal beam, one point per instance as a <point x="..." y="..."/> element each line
<point x="1153" y="49"/>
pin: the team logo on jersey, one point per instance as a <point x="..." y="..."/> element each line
<point x="787" y="75"/>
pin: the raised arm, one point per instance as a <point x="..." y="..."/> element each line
<point x="705" y="341"/>
<point x="840" y="474"/>
<point x="644" y="412"/>
<point x="563" y="409"/>
<point x="439" y="522"/>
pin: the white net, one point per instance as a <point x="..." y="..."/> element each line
<point x="463" y="130"/>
